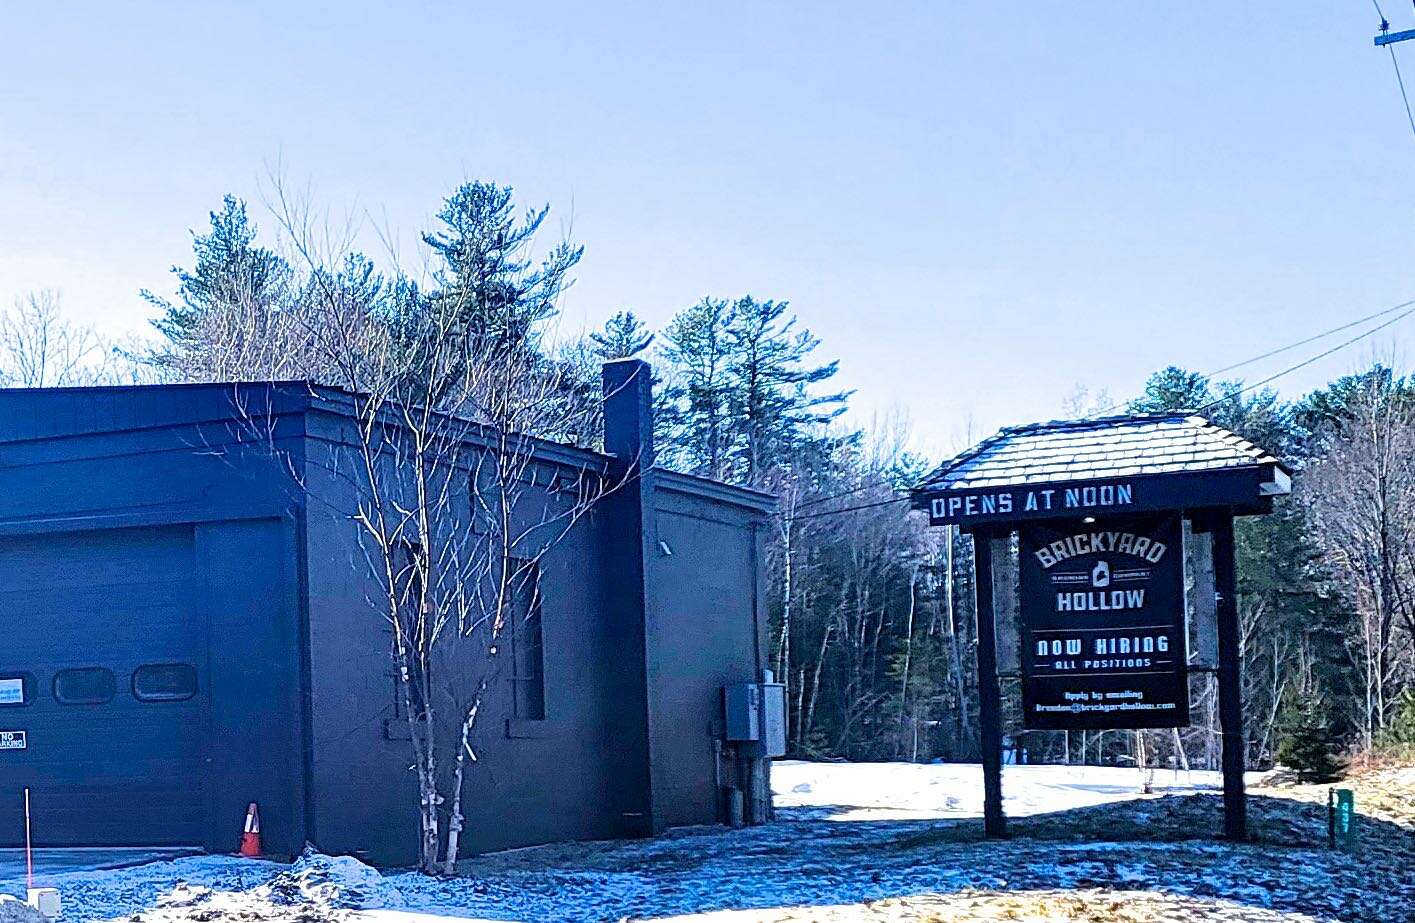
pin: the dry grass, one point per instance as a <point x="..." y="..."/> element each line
<point x="1092" y="905"/>
<point x="1384" y="791"/>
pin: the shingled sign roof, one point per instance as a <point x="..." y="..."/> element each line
<point x="1109" y="447"/>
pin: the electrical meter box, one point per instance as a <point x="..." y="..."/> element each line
<point x="756" y="717"/>
<point x="744" y="711"/>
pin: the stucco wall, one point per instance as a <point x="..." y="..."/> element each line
<point x="703" y="634"/>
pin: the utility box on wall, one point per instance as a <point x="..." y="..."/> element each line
<point x="756" y="717"/>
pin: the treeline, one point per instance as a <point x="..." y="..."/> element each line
<point x="872" y="616"/>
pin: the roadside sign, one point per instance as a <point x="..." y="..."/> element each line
<point x="1102" y="607"/>
<point x="1341" y="818"/>
<point x="13" y="740"/>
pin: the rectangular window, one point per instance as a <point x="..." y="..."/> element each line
<point x="527" y="643"/>
<point x="164" y="682"/>
<point x="84" y="686"/>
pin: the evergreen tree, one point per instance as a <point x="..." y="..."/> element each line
<point x="230" y="276"/>
<point x="743" y="389"/>
<point x="1173" y="388"/>
<point x="621" y="337"/>
<point x="1331" y="407"/>
<point x="1307" y="744"/>
<point x="1398" y="739"/>
<point x="360" y="311"/>
<point x="697" y="350"/>
<point x="487" y="275"/>
<point x="770" y="387"/>
<point x="1258" y="416"/>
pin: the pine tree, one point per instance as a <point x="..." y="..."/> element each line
<point x="622" y="336"/>
<point x="743" y="388"/>
<point x="697" y="351"/>
<point x="487" y="276"/>
<point x="1398" y="738"/>
<point x="771" y="397"/>
<point x="230" y="275"/>
<point x="1307" y="743"/>
<point x="1173" y="388"/>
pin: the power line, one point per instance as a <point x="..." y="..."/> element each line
<point x="1312" y="339"/>
<point x="817" y="501"/>
<point x="1306" y="362"/>
<point x="1400" y="81"/>
<point x="1291" y="346"/>
<point x="1408" y="309"/>
<point x="844" y="493"/>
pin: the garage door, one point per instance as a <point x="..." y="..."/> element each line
<point x="102" y="692"/>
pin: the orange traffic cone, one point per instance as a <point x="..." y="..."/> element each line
<point x="250" y="839"/>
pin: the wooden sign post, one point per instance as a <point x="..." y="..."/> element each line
<point x="989" y="693"/>
<point x="1097" y="507"/>
<point x="1230" y="680"/>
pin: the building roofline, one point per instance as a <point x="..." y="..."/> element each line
<point x="160" y="385"/>
<point x="745" y="497"/>
<point x="333" y="399"/>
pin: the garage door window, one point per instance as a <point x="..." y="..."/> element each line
<point x="84" y="686"/>
<point x="164" y="682"/>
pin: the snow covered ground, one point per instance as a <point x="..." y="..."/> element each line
<point x="857" y="842"/>
<point x="913" y="791"/>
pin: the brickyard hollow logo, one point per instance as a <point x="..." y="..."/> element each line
<point x="1106" y="585"/>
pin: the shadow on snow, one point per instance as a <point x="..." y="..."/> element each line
<point x="805" y="859"/>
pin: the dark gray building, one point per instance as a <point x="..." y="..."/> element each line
<point x="187" y="631"/>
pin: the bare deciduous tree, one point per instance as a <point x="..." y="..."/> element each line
<point x="1361" y="495"/>
<point x="457" y="500"/>
<point x="39" y="348"/>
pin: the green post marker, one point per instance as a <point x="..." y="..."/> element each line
<point x="1341" y="818"/>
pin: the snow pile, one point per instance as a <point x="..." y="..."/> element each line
<point x="315" y="889"/>
<point x="123" y="892"/>
<point x="14" y="910"/>
<point x="330" y="882"/>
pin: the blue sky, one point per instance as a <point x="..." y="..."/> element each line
<point x="976" y="207"/>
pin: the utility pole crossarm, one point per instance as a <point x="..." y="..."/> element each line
<point x="1390" y="38"/>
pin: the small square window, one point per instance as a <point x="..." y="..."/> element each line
<point x="164" y="682"/>
<point x="84" y="686"/>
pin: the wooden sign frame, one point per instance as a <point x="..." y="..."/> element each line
<point x="991" y="542"/>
